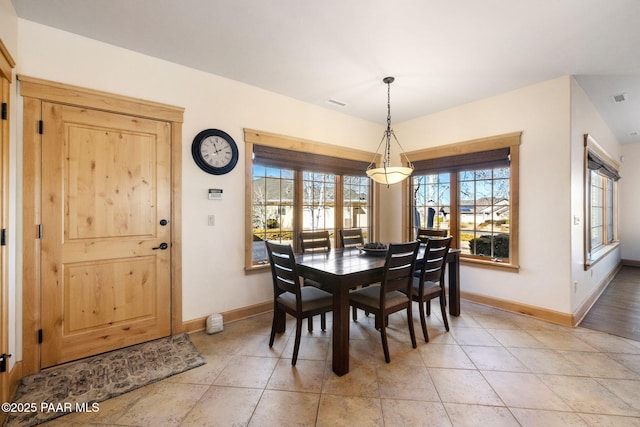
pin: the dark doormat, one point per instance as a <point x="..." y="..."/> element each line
<point x="76" y="386"/>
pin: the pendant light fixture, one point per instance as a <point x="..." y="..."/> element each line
<point x="387" y="174"/>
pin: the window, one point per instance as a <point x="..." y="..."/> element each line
<point x="483" y="206"/>
<point x="356" y="203"/>
<point x="432" y="201"/>
<point x="303" y="188"/>
<point x="272" y="202"/>
<point x="470" y="189"/>
<point x="601" y="177"/>
<point x="318" y="201"/>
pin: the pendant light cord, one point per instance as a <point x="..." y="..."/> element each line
<point x="386" y="155"/>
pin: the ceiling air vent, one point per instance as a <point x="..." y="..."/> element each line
<point x="620" y="98"/>
<point x="336" y="102"/>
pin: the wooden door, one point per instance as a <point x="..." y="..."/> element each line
<point x="106" y="204"/>
<point x="6" y="66"/>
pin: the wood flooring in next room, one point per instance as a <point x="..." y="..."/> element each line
<point x="617" y="310"/>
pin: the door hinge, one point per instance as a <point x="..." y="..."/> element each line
<point x="39" y="336"/>
<point x="3" y="237"/>
<point x="3" y="362"/>
<point x="4" y="111"/>
<point x="40" y="127"/>
<point x="39" y="232"/>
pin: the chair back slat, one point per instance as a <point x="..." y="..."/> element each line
<point x="425" y="233"/>
<point x="351" y="237"/>
<point x="435" y="259"/>
<point x="398" y="268"/>
<point x="315" y="241"/>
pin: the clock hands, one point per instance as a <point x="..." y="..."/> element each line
<point x="215" y="152"/>
<point x="215" y="147"/>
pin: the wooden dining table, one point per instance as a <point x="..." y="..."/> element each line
<point x="343" y="269"/>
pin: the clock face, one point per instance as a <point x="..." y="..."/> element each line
<point x="214" y="151"/>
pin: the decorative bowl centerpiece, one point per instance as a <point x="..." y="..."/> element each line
<point x="374" y="248"/>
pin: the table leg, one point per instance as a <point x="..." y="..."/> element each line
<point x="454" y="286"/>
<point x="341" y="323"/>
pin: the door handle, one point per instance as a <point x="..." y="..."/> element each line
<point x="162" y="246"/>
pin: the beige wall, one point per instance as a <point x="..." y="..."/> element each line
<point x="585" y="119"/>
<point x="541" y="112"/>
<point x="9" y="26"/>
<point x="213" y="270"/>
<point x="553" y="117"/>
<point x="630" y="200"/>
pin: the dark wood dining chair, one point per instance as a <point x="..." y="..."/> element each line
<point x="351" y="237"/>
<point x="428" y="282"/>
<point x="289" y="296"/>
<point x="393" y="292"/>
<point x="425" y="233"/>
<point x="315" y="241"/>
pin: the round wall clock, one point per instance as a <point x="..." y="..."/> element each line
<point x="214" y="151"/>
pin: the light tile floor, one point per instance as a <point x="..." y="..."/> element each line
<point x="492" y="369"/>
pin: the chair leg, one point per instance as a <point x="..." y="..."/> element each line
<point x="444" y="313"/>
<point x="443" y="291"/>
<point x="385" y="345"/>
<point x="354" y="314"/>
<point x="366" y="313"/>
<point x="423" y="321"/>
<point x="273" y="329"/>
<point x="323" y="321"/>
<point x="310" y="323"/>
<point x="296" y="343"/>
<point x="412" y="332"/>
<point x="429" y="308"/>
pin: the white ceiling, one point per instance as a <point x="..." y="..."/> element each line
<point x="442" y="53"/>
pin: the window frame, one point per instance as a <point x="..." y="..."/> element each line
<point x="306" y="147"/>
<point x="473" y="149"/>
<point x="598" y="161"/>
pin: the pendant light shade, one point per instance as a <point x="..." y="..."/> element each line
<point x="387" y="174"/>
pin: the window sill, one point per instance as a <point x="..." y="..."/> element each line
<point x="494" y="265"/>
<point x="600" y="254"/>
<point x="258" y="268"/>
